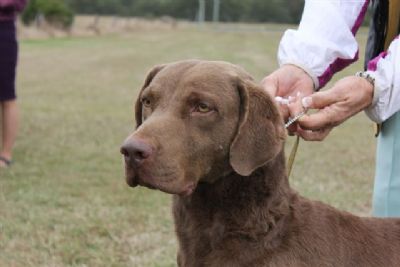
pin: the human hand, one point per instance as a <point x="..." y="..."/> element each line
<point x="347" y="97"/>
<point x="288" y="80"/>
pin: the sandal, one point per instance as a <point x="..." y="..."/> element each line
<point x="7" y="162"/>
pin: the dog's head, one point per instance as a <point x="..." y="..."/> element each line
<point x="198" y="121"/>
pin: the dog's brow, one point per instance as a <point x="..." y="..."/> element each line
<point x="151" y="92"/>
<point x="209" y="96"/>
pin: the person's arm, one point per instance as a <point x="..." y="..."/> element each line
<point x="385" y="69"/>
<point x="324" y="42"/>
<point x="353" y="94"/>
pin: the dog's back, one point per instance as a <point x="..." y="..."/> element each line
<point x="217" y="228"/>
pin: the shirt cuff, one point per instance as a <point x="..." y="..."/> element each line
<point x="373" y="110"/>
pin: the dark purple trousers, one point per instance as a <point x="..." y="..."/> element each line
<point x="8" y="59"/>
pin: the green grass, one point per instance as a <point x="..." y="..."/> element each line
<point x="65" y="202"/>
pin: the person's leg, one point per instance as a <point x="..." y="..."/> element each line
<point x="386" y="198"/>
<point x="8" y="103"/>
<point x="10" y="121"/>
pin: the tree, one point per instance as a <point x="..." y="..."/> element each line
<point x="56" y="12"/>
<point x="285" y="11"/>
<point x="295" y="8"/>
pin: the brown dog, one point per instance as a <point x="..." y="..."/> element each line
<point x="210" y="135"/>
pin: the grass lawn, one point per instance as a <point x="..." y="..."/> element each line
<point x="65" y="203"/>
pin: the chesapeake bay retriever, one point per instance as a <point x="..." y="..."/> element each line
<point x="207" y="133"/>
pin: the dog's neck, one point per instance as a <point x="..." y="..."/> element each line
<point x="260" y="201"/>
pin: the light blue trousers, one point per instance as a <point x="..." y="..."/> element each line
<point x="386" y="197"/>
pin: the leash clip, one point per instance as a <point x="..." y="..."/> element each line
<point x="294" y="119"/>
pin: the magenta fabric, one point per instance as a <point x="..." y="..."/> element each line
<point x="9" y="9"/>
<point x="336" y="66"/>
<point x="359" y="19"/>
<point x="373" y="64"/>
<point x="340" y="63"/>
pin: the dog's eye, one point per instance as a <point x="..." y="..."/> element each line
<point x="146" y="102"/>
<point x="203" y="108"/>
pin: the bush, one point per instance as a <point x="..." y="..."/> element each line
<point x="56" y="12"/>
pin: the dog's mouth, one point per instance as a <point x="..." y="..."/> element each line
<point x="186" y="190"/>
<point x="166" y="182"/>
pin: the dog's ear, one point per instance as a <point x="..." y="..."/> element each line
<point x="138" y="107"/>
<point x="260" y="133"/>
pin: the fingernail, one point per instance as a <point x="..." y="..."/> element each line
<point x="281" y="100"/>
<point x="306" y="102"/>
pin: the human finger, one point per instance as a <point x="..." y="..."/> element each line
<point x="310" y="135"/>
<point x="316" y="121"/>
<point x="328" y="117"/>
<point x="269" y="85"/>
<point x="321" y="99"/>
<point x="284" y="112"/>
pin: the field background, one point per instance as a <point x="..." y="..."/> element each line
<point x="65" y="203"/>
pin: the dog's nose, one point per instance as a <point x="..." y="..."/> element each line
<point x="136" y="151"/>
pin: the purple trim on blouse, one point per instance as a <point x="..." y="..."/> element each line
<point x="360" y="17"/>
<point x="341" y="63"/>
<point x="373" y="64"/>
<point x="336" y="66"/>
